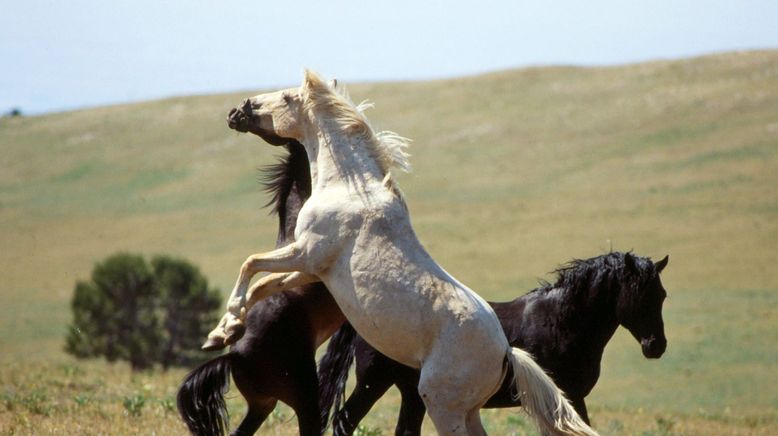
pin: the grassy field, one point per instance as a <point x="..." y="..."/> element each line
<point x="514" y="173"/>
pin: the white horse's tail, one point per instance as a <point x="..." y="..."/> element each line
<point x="543" y="400"/>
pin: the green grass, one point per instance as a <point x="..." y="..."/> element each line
<point x="514" y="173"/>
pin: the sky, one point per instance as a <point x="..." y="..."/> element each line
<point x="63" y="55"/>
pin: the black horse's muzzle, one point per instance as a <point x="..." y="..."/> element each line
<point x="653" y="347"/>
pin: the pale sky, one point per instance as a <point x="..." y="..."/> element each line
<point x="67" y="54"/>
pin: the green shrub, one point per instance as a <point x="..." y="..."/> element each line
<point x="144" y="314"/>
<point x="134" y="404"/>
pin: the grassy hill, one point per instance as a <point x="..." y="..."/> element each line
<point x="514" y="173"/>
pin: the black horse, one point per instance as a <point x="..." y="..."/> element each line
<point x="275" y="359"/>
<point x="565" y="326"/>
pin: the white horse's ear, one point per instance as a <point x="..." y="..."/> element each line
<point x="334" y="83"/>
<point x="312" y="81"/>
<point x="307" y="76"/>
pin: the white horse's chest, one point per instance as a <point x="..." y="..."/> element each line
<point x="393" y="293"/>
<point x="326" y="222"/>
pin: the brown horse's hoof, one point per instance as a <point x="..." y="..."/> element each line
<point x="214" y="344"/>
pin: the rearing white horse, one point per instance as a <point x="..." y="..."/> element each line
<point x="355" y="235"/>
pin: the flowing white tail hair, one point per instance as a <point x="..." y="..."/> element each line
<point x="543" y="400"/>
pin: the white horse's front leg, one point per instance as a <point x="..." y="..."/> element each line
<point x="284" y="259"/>
<point x="230" y="328"/>
<point x="276" y="282"/>
<point x="234" y="327"/>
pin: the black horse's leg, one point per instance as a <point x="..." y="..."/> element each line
<point x="307" y="410"/>
<point x="412" y="408"/>
<point x="580" y="406"/>
<point x="368" y="390"/>
<point x="302" y="394"/>
<point x="308" y="417"/>
<point x="258" y="411"/>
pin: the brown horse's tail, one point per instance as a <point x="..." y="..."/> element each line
<point x="542" y="399"/>
<point x="333" y="371"/>
<point x="200" y="398"/>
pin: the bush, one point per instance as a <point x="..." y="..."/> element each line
<point x="145" y="315"/>
<point x="189" y="310"/>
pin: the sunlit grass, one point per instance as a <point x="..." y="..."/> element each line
<point x="514" y="173"/>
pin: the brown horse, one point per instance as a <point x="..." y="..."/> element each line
<point x="275" y="359"/>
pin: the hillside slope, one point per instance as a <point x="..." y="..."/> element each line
<point x="514" y="173"/>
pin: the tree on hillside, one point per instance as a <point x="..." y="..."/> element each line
<point x="143" y="314"/>
<point x="15" y="112"/>
<point x="114" y="313"/>
<point x="188" y="308"/>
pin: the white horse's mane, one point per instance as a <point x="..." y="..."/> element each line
<point x="388" y="148"/>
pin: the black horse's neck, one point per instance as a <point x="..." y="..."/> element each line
<point x="582" y="304"/>
<point x="289" y="181"/>
<point x="587" y="319"/>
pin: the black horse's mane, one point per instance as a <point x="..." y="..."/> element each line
<point x="280" y="178"/>
<point x="613" y="269"/>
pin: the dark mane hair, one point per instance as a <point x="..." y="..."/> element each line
<point x="290" y="172"/>
<point x="611" y="269"/>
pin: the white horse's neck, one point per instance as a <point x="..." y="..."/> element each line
<point x="340" y="159"/>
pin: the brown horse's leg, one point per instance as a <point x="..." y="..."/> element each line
<point x="301" y="393"/>
<point x="258" y="411"/>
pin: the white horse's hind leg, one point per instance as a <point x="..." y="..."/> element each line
<point x="441" y="404"/>
<point x="474" y="425"/>
<point x="454" y="394"/>
<point x="447" y="422"/>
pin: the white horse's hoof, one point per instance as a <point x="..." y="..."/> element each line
<point x="234" y="306"/>
<point x="235" y="330"/>
<point x="216" y="341"/>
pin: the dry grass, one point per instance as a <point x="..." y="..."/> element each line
<point x="514" y="173"/>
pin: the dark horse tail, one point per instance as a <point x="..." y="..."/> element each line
<point x="200" y="398"/>
<point x="333" y="371"/>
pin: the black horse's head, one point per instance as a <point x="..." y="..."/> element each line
<point x="639" y="304"/>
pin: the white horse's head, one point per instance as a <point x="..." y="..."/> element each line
<point x="301" y="114"/>
<point x="282" y="115"/>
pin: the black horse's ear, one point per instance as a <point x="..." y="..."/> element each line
<point x="661" y="264"/>
<point x="629" y="263"/>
